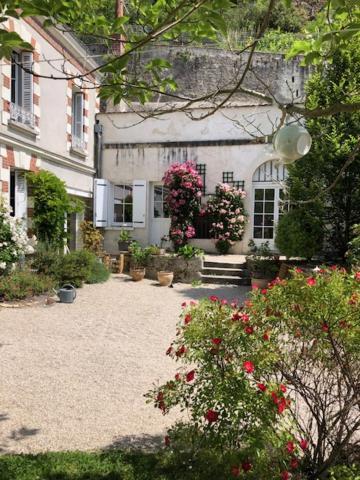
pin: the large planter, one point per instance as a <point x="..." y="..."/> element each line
<point x="165" y="278"/>
<point x="123" y="245"/>
<point x="137" y="274"/>
<point x="260" y="282"/>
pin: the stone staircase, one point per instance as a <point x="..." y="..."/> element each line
<point x="225" y="272"/>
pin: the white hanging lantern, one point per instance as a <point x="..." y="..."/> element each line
<point x="292" y="142"/>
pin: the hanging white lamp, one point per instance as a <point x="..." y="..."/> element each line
<point x="291" y="142"/>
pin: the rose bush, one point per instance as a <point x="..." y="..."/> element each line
<point x="14" y="242"/>
<point x="229" y="218"/>
<point x="270" y="386"/>
<point x="184" y="184"/>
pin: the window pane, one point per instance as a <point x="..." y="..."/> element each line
<point x="118" y="192"/>
<point x="268" y="232"/>
<point x="128" y="193"/>
<point x="269" y="194"/>
<point x="158" y="210"/>
<point x="257" y="232"/>
<point x="158" y="194"/>
<point x="258" y="220"/>
<point x="269" y="207"/>
<point x="259" y="207"/>
<point x="268" y="220"/>
<point x="118" y="213"/>
<point x="259" y="194"/>
<point x="128" y="212"/>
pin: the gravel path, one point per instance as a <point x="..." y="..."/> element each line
<point x="73" y="376"/>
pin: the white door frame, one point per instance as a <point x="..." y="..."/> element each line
<point x="157" y="222"/>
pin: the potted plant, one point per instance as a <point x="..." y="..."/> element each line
<point x="124" y="240"/>
<point x="139" y="256"/>
<point x="263" y="264"/>
<point x="165" y="278"/>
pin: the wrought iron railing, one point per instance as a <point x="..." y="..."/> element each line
<point x="19" y="114"/>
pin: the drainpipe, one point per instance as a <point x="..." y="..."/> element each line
<point x="119" y="13"/>
<point x="98" y="131"/>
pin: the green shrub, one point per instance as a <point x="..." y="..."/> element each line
<point x="75" y="268"/>
<point x="241" y="370"/>
<point x="353" y="254"/>
<point x="23" y="284"/>
<point x="98" y="273"/>
<point x="299" y="234"/>
<point x="46" y="261"/>
<point x="188" y="251"/>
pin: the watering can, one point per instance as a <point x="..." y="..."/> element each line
<point x="66" y="294"/>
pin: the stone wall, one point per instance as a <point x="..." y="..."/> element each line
<point x="185" y="271"/>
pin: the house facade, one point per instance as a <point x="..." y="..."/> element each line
<point x="225" y="147"/>
<point x="45" y="123"/>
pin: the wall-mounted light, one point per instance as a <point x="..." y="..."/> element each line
<point x="291" y="142"/>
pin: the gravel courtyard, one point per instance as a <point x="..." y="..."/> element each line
<point x="73" y="376"/>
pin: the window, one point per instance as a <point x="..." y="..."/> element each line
<point x="123" y="204"/>
<point x="77" y="128"/>
<point x="18" y="194"/>
<point x="201" y="169"/>
<point x="12" y="193"/>
<point x="161" y="209"/>
<point x="227" y="177"/>
<point x="21" y="107"/>
<point x="264" y="213"/>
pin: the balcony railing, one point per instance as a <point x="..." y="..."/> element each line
<point x="19" y="114"/>
<point x="77" y="143"/>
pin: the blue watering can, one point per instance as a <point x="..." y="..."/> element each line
<point x="66" y="294"/>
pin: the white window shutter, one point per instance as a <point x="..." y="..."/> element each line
<point x="139" y="203"/>
<point x="27" y="79"/>
<point x="101" y="202"/>
<point x="20" y="195"/>
<point x="78" y="106"/>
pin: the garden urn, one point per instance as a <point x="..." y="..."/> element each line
<point x="165" y="278"/>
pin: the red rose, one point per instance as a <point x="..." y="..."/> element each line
<point x="193" y="303"/>
<point x="282" y="388"/>
<point x="261" y="387"/>
<point x="274" y="397"/>
<point x="311" y="281"/>
<point x="245" y="317"/>
<point x="211" y="416"/>
<point x="357" y="276"/>
<point x="169" y="350"/>
<point x="325" y="327"/>
<point x="236" y="316"/>
<point x="249" y="329"/>
<point x="282" y="405"/>
<point x="264" y="291"/>
<point x="303" y="444"/>
<point x="167" y="440"/>
<point x="290" y="447"/>
<point x="213" y="298"/>
<point x="294" y="463"/>
<point x="266" y="337"/>
<point x="246" y="466"/>
<point x="181" y="351"/>
<point x="183" y="304"/>
<point x="216" y="341"/>
<point x="190" y="376"/>
<point x="298" y="270"/>
<point x="233" y="304"/>
<point x="160" y="396"/>
<point x="248" y="366"/>
<point x="187" y="318"/>
<point x="235" y="471"/>
<point x="285" y="475"/>
<point x="224" y="302"/>
<point x="177" y="377"/>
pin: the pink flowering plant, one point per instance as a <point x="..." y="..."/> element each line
<point x="226" y="209"/>
<point x="270" y="387"/>
<point x="184" y="184"/>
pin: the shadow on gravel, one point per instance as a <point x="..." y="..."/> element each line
<point x="228" y="292"/>
<point x="136" y="442"/>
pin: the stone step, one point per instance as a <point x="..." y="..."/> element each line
<point x="236" y="272"/>
<point x="225" y="279"/>
<point x="236" y="266"/>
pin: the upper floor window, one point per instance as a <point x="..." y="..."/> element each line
<point x="21" y="108"/>
<point x="77" y="128"/>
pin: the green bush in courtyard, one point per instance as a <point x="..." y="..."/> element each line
<point x="75" y="268"/>
<point x="98" y="273"/>
<point x="19" y="285"/>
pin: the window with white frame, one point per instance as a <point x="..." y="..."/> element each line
<point x="123" y="204"/>
<point x="161" y="209"/>
<point x="77" y="128"/>
<point x="18" y="194"/>
<point x="21" y="107"/>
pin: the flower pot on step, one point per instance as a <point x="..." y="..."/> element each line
<point x="165" y="278"/>
<point x="260" y="282"/>
<point x="137" y="274"/>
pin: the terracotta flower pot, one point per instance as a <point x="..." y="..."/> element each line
<point x="137" y="274"/>
<point x="165" y="278"/>
<point x="260" y="282"/>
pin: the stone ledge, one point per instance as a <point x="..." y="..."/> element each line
<point x="185" y="270"/>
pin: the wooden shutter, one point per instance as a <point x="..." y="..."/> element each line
<point x="27" y="79"/>
<point x="139" y="203"/>
<point x="78" y="106"/>
<point x="101" y="202"/>
<point x="20" y="195"/>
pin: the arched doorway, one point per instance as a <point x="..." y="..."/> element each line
<point x="267" y="193"/>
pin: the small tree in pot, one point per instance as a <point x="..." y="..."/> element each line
<point x="139" y="256"/>
<point x="124" y="240"/>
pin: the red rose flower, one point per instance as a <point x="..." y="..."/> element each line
<point x="177" y="377"/>
<point x="311" y="281"/>
<point x="357" y="276"/>
<point x="248" y="303"/>
<point x="249" y="329"/>
<point x="325" y="327"/>
<point x="183" y="304"/>
<point x="282" y="388"/>
<point x="290" y="447"/>
<point x="193" y="303"/>
<point x="187" y="318"/>
<point x="233" y="304"/>
<point x="224" y="302"/>
<point x="266" y="337"/>
<point x="285" y="475"/>
<point x="294" y="463"/>
<point x="190" y="376"/>
<point x="167" y="440"/>
<point x="181" y="351"/>
<point x="211" y="416"/>
<point x="245" y="317"/>
<point x="248" y="366"/>
<point x="246" y="466"/>
<point x="216" y="341"/>
<point x="298" y="270"/>
<point x="303" y="444"/>
<point x="213" y="298"/>
<point x="261" y="387"/>
<point x="264" y="291"/>
<point x="235" y="471"/>
<point x="282" y="405"/>
<point x="236" y="316"/>
<point x="169" y="350"/>
<point x="274" y="397"/>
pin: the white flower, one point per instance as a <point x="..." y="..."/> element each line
<point x="2" y="265"/>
